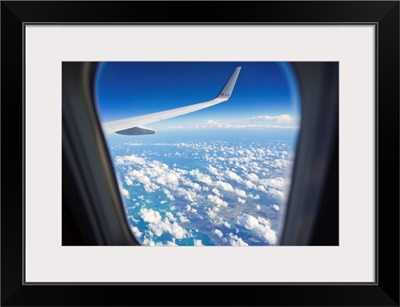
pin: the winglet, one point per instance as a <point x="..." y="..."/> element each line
<point x="228" y="88"/>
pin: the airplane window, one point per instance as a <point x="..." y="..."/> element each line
<point x="202" y="151"/>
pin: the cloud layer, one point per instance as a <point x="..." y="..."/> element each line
<point x="228" y="198"/>
<point x="283" y="121"/>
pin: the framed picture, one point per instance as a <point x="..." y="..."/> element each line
<point x="274" y="177"/>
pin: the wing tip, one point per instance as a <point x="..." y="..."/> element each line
<point x="227" y="90"/>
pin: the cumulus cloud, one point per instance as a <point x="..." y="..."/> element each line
<point x="261" y="227"/>
<point x="148" y="242"/>
<point x="234" y="240"/>
<point x="276" y="183"/>
<point x="150" y="215"/>
<point x="189" y="183"/>
<point x="136" y="231"/>
<point x="226" y="224"/>
<point x="199" y="176"/>
<point x="224" y="186"/>
<point x="197" y="243"/>
<point x="187" y="194"/>
<point x="241" y="201"/>
<point x="182" y="217"/>
<point x="218" y="233"/>
<point x="171" y="243"/>
<point x="159" y="225"/>
<point x="168" y="194"/>
<point x="127" y="160"/>
<point x="128" y="180"/>
<point x="213" y="170"/>
<point x="252" y="177"/>
<point x="216" y="192"/>
<point x="215" y="199"/>
<point x="276" y="193"/>
<point x="170" y="216"/>
<point x="124" y="192"/>
<point x="141" y="177"/>
<point x="250" y="185"/>
<point x="276" y="207"/>
<point x="240" y="193"/>
<point x="280" y="163"/>
<point x="233" y="176"/>
<point x="211" y="214"/>
<point x="166" y="226"/>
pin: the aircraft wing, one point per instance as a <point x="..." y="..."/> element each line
<point x="134" y="125"/>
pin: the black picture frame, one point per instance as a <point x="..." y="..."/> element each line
<point x="383" y="14"/>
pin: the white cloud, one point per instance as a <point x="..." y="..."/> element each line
<point x="234" y="240"/>
<point x="240" y="193"/>
<point x="276" y="183"/>
<point x="199" y="176"/>
<point x="215" y="199"/>
<point x="213" y="170"/>
<point x="128" y="180"/>
<point x="124" y="192"/>
<point x="280" y="163"/>
<point x="170" y="216"/>
<point x="224" y="186"/>
<point x="250" y="185"/>
<point x="241" y="201"/>
<point x="211" y="213"/>
<point x="284" y="118"/>
<point x="189" y="195"/>
<point x="197" y="243"/>
<point x="189" y="183"/>
<point x="216" y="192"/>
<point x="150" y="215"/>
<point x="168" y="194"/>
<point x="261" y="227"/>
<point x="143" y="179"/>
<point x="183" y="218"/>
<point x="136" y="231"/>
<point x="233" y="176"/>
<point x="276" y="207"/>
<point x="253" y="177"/>
<point x="171" y="243"/>
<point x="226" y="224"/>
<point x="148" y="242"/>
<point x="276" y="193"/>
<point x="262" y="189"/>
<point x="166" y="226"/>
<point x="283" y="121"/>
<point x="132" y="159"/>
<point x="218" y="233"/>
<point x="177" y="231"/>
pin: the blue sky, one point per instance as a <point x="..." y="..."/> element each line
<point x="265" y="95"/>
